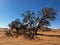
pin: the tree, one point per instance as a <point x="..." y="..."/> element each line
<point x="32" y="22"/>
<point x="48" y="15"/>
<point x="29" y="18"/>
<point x="15" y="25"/>
<point x="43" y="18"/>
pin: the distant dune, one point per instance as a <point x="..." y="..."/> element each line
<point x="3" y="29"/>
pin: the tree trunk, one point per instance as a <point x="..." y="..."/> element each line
<point x="36" y="30"/>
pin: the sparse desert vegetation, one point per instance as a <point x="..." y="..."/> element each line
<point x="31" y="22"/>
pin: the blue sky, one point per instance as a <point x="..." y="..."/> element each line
<point x="12" y="9"/>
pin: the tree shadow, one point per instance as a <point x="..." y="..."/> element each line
<point x="12" y="34"/>
<point x="49" y="35"/>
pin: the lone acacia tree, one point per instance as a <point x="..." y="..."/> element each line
<point x="34" y="21"/>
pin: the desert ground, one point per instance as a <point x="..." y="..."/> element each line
<point x="48" y="38"/>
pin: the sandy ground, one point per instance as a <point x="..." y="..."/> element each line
<point x="48" y="38"/>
